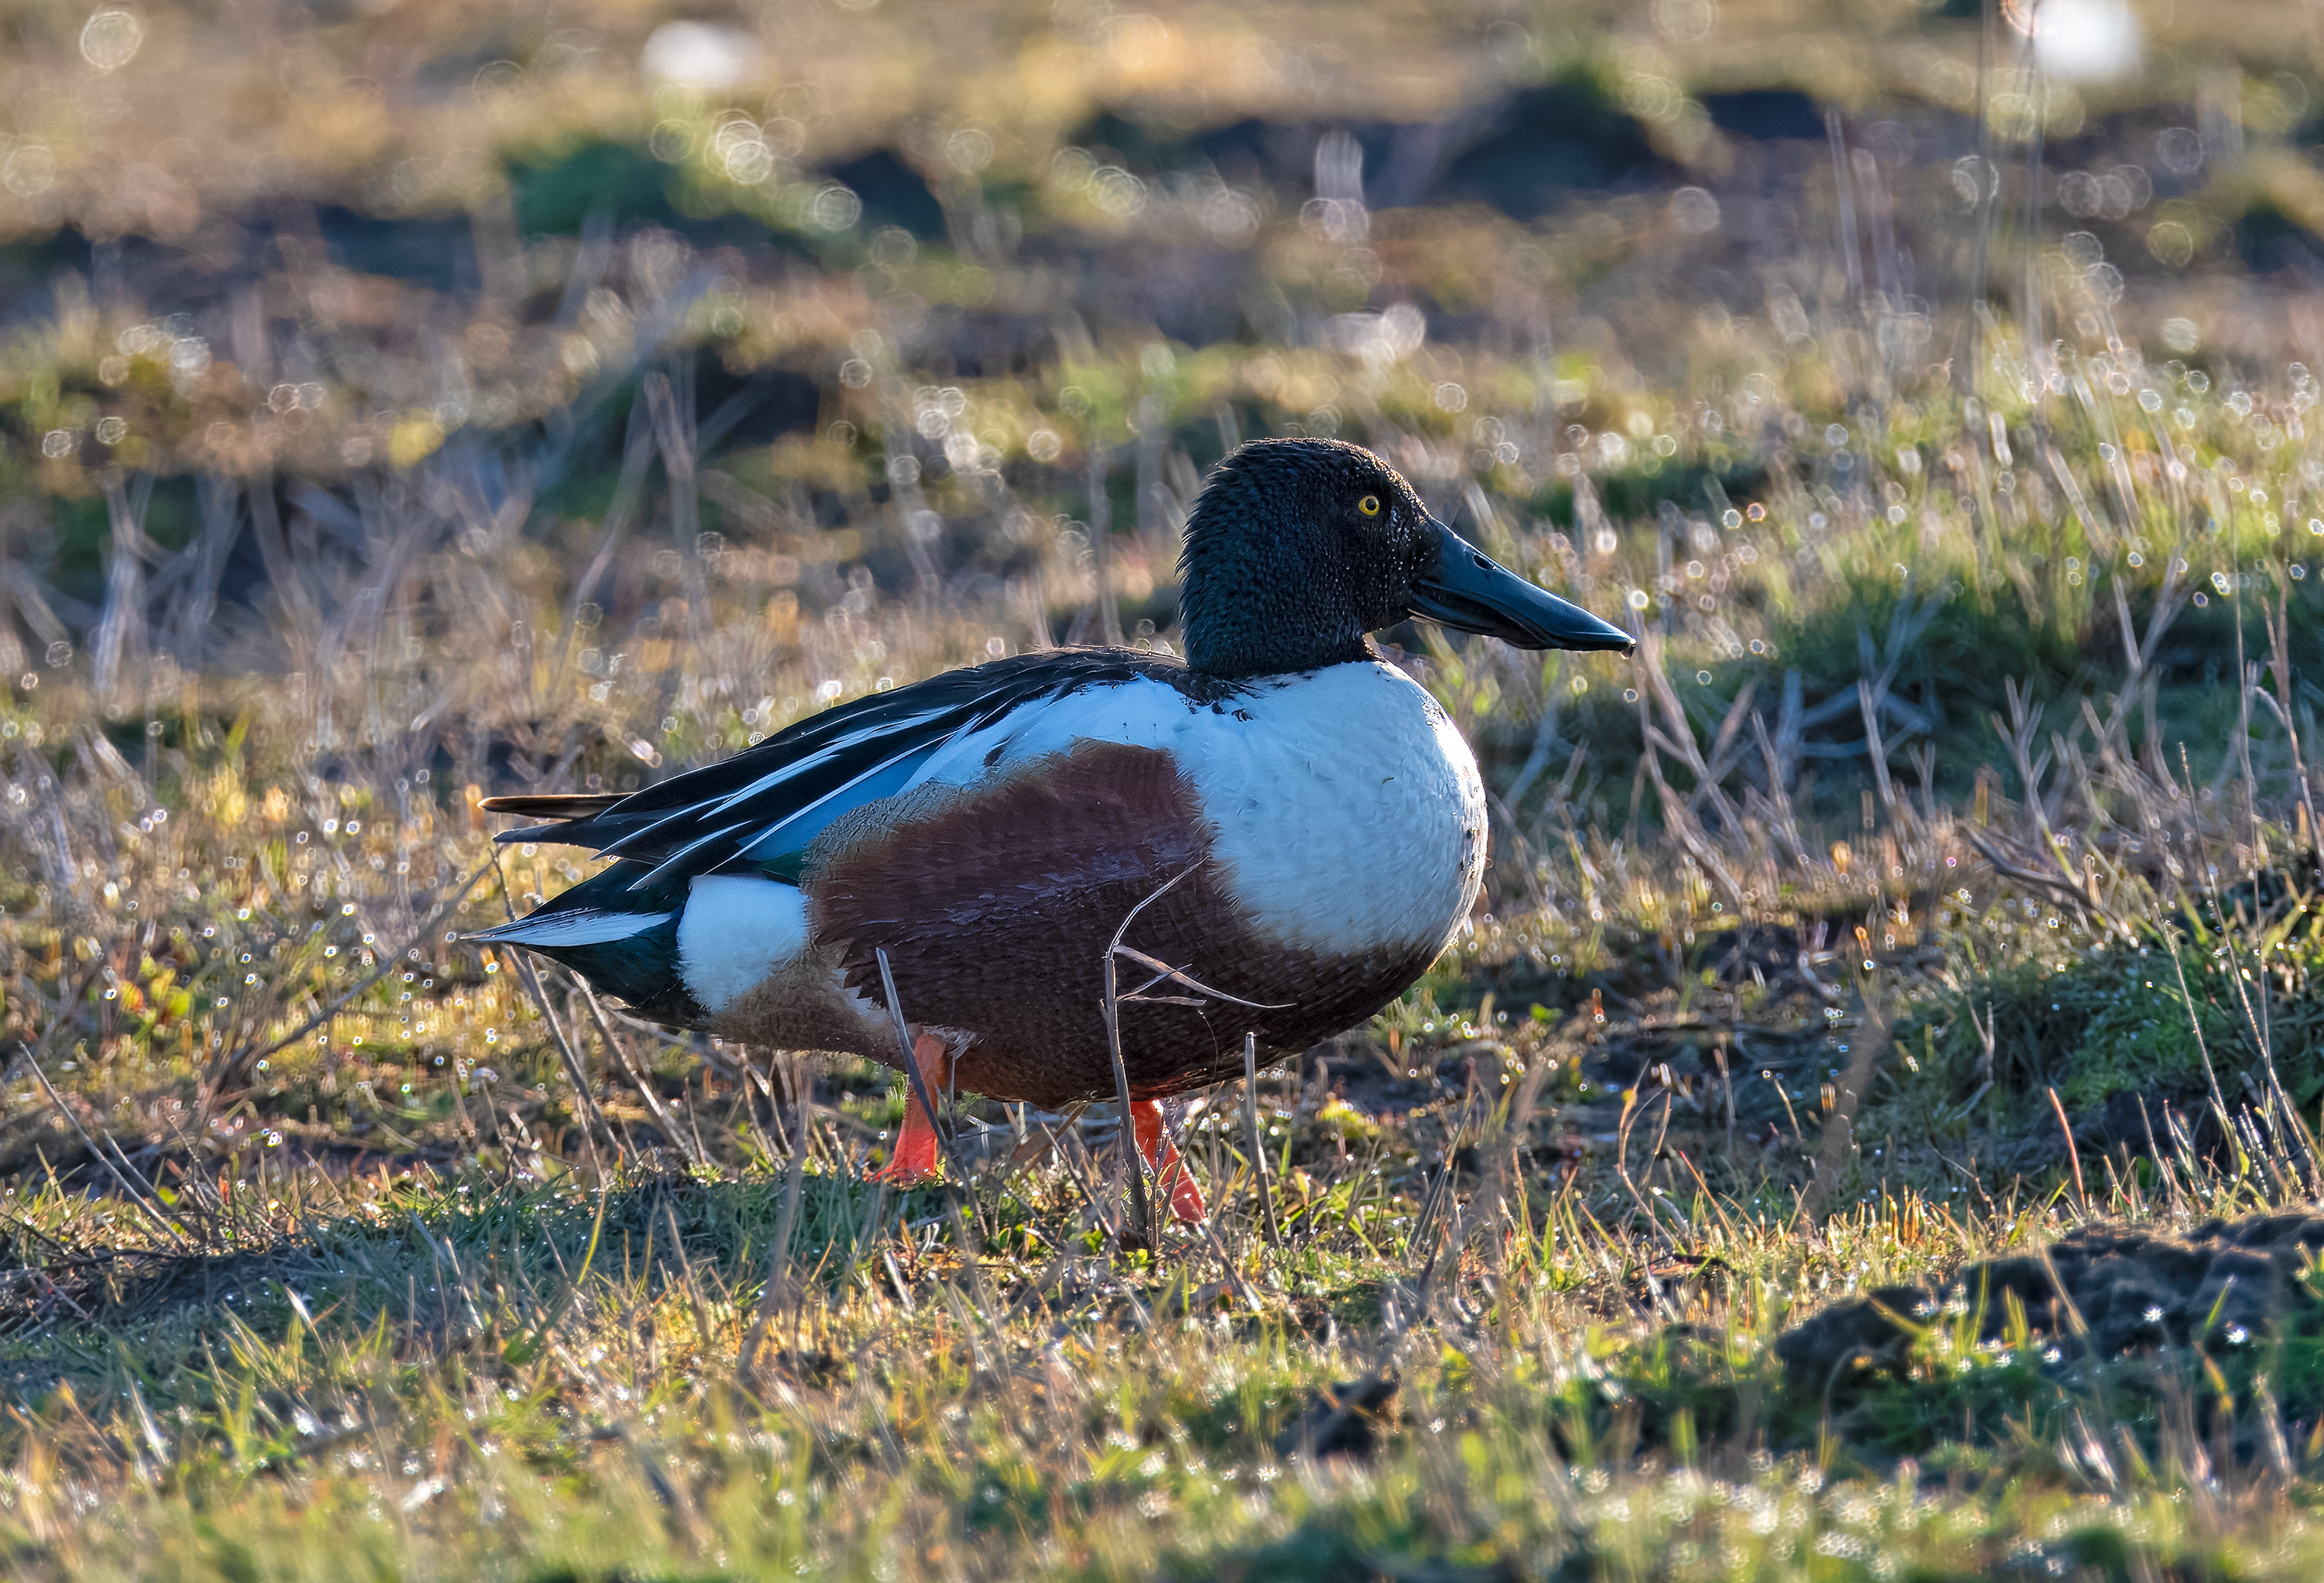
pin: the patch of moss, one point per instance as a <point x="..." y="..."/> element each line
<point x="556" y="189"/>
<point x="1347" y="1123"/>
<point x="2116" y="1020"/>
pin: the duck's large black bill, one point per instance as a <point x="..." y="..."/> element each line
<point x="1471" y="593"/>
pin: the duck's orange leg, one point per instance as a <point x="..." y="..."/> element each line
<point x="919" y="1154"/>
<point x="1172" y="1179"/>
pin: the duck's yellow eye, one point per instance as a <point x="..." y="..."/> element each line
<point x="1368" y="505"/>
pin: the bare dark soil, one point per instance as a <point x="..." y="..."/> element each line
<point x="2100" y="1293"/>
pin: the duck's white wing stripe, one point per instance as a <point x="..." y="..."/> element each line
<point x="765" y="844"/>
<point x="839" y="795"/>
<point x="836" y="750"/>
<point x="679" y="857"/>
<point x="838" y="747"/>
<point x="1140" y="712"/>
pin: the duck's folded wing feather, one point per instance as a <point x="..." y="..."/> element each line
<point x="762" y="808"/>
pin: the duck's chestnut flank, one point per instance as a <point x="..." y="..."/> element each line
<point x="1318" y="821"/>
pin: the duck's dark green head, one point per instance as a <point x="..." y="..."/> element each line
<point x="1299" y="547"/>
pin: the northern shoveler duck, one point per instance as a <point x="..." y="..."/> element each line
<point x="1318" y="823"/>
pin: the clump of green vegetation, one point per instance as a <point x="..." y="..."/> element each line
<point x="2140" y="1014"/>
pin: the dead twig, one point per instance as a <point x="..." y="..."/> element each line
<point x="152" y="1216"/>
<point x="1110" y="1006"/>
<point x="641" y="1081"/>
<point x="921" y="1093"/>
<point x="1257" y="1144"/>
<point x="2073" y="1155"/>
<point x="232" y="1060"/>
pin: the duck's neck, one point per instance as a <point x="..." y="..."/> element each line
<point x="1232" y="656"/>
<point x="1249" y="608"/>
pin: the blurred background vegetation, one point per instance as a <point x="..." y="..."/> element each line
<point x="560" y="346"/>
<point x="326" y="298"/>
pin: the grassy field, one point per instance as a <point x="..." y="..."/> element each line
<point x="1835" y="1149"/>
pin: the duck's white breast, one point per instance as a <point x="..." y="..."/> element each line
<point x="1348" y="813"/>
<point x="1345" y="811"/>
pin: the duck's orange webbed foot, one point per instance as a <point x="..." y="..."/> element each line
<point x="918" y="1155"/>
<point x="1172" y="1179"/>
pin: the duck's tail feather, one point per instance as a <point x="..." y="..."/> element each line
<point x="551" y="927"/>
<point x="627" y="951"/>
<point x="553" y="804"/>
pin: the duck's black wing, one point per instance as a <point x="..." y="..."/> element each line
<point x="772" y="800"/>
